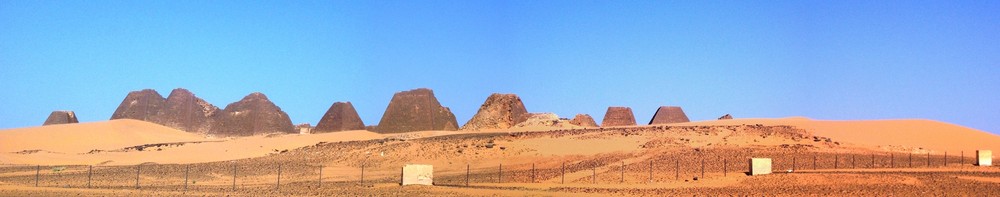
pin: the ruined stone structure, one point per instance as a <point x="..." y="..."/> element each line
<point x="668" y="114"/>
<point x="417" y="174"/>
<point x="142" y="105"/>
<point x="583" y="120"/>
<point x="184" y="111"/>
<point x="252" y="115"/>
<point x="618" y="116"/>
<point x="760" y="166"/>
<point x="499" y="111"/>
<point x="726" y="117"/>
<point x="542" y="119"/>
<point x="304" y="128"/>
<point x="416" y="110"/>
<point x="61" y="117"/>
<point x="340" y="117"/>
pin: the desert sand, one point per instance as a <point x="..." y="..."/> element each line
<point x="811" y="157"/>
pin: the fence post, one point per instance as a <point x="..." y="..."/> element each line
<point x="593" y="173"/>
<point x="836" y="161"/>
<point x="278" y="185"/>
<point x="725" y="166"/>
<point x="852" y="162"/>
<point x="910" y="160"/>
<point x="793" y="164"/>
<point x="89" y="173"/>
<point x="37" y="169"/>
<point x="467" y="170"/>
<point x="137" y="169"/>
<point x="563" y="173"/>
<point x="362" y="174"/>
<point x="963" y="159"/>
<point x="234" y="175"/>
<point x="892" y="160"/>
<point x="187" y="168"/>
<point x="946" y="159"/>
<point x="703" y="167"/>
<point x="532" y="172"/>
<point x="650" y="170"/>
<point x="500" y="174"/>
<point x="928" y="158"/>
<point x="623" y="171"/>
<point x="814" y="161"/>
<point x="873" y="160"/>
<point x="677" y="169"/>
<point x="320" y="177"/>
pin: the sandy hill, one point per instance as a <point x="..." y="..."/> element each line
<point x="84" y="137"/>
<point x="891" y="135"/>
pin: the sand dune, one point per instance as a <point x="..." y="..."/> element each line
<point x="890" y="135"/>
<point x="84" y="137"/>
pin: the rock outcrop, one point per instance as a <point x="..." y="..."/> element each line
<point x="252" y="115"/>
<point x="583" y="120"/>
<point x="726" y="117"/>
<point x="618" y="116"/>
<point x="142" y="105"/>
<point x="668" y="114"/>
<point x="61" y="117"/>
<point x="340" y="117"/>
<point x="499" y="111"/>
<point x="184" y="111"/>
<point x="416" y="110"/>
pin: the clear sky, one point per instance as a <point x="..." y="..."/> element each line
<point x="837" y="60"/>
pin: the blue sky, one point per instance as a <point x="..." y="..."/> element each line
<point x="839" y="60"/>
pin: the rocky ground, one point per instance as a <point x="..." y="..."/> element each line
<point x="625" y="161"/>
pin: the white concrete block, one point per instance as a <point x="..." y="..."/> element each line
<point x="984" y="157"/>
<point x="760" y="166"/>
<point x="418" y="174"/>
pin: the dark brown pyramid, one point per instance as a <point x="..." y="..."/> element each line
<point x="416" y="110"/>
<point x="500" y="111"/>
<point x="583" y="120"/>
<point x="184" y="111"/>
<point x="726" y="117"/>
<point x="340" y="117"/>
<point x="252" y="115"/>
<point x="61" y="117"/>
<point x="668" y="114"/>
<point x="618" y="116"/>
<point x="142" y="105"/>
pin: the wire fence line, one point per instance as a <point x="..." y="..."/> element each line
<point x="680" y="166"/>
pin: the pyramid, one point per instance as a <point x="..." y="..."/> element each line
<point x="142" y="105"/>
<point x="583" y="120"/>
<point x="668" y="114"/>
<point x="252" y="115"/>
<point x="340" y="117"/>
<point x="499" y="111"/>
<point x="618" y="116"/>
<point x="184" y="111"/>
<point x="61" y="117"/>
<point x="415" y="110"/>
